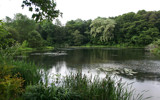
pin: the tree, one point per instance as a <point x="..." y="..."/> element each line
<point x="78" y="38"/>
<point x="3" y="32"/>
<point x="35" y="40"/>
<point x="79" y="26"/>
<point x="103" y="28"/>
<point x="20" y="26"/>
<point x="52" y="34"/>
<point x="43" y="9"/>
<point x="5" y="37"/>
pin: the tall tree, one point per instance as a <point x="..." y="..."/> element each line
<point x="103" y="28"/>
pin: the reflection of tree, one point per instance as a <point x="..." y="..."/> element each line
<point x="78" y="57"/>
<point x="102" y="55"/>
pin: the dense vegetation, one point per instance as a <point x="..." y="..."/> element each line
<point x="130" y="29"/>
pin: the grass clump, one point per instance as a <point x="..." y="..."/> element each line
<point x="42" y="92"/>
<point x="29" y="71"/>
<point x="97" y="89"/>
<point x="81" y="87"/>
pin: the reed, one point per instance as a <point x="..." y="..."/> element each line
<point x="28" y="70"/>
<point x="98" y="89"/>
<point x="81" y="87"/>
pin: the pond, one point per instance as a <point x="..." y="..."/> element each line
<point x="87" y="60"/>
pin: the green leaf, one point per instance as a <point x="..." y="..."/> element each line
<point x="30" y="9"/>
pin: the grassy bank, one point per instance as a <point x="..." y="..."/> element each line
<point x="110" y="46"/>
<point x="34" y="49"/>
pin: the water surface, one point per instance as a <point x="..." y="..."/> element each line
<point x="87" y="60"/>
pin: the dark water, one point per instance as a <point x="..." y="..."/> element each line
<point x="87" y="60"/>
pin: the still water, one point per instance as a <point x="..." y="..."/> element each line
<point x="87" y="60"/>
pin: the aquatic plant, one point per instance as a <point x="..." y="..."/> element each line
<point x="122" y="71"/>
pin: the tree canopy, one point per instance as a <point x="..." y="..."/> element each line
<point x="103" y="28"/>
<point x="130" y="29"/>
<point x="43" y="9"/>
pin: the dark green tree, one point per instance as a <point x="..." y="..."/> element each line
<point x="35" y="40"/>
<point x="20" y="26"/>
<point x="43" y="9"/>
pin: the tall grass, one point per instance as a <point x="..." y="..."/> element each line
<point x="98" y="89"/>
<point x="81" y="87"/>
<point x="41" y="92"/>
<point x="29" y="71"/>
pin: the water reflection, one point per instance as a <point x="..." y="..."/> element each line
<point x="87" y="60"/>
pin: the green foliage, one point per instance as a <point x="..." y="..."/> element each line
<point x="40" y="92"/>
<point x="139" y="28"/>
<point x="20" y="26"/>
<point x="80" y="87"/>
<point x="34" y="39"/>
<point x="5" y="39"/>
<point x="3" y="32"/>
<point x="102" y="28"/>
<point x="11" y="85"/>
<point x="43" y="9"/>
<point x="130" y="29"/>
<point x="8" y="53"/>
<point x="52" y="34"/>
<point x="97" y="89"/>
<point x="78" y="26"/>
<point x="24" y="44"/>
<point x="29" y="71"/>
<point x="78" y="38"/>
<point x="154" y="47"/>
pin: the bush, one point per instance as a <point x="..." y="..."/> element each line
<point x="11" y="86"/>
<point x="35" y="40"/>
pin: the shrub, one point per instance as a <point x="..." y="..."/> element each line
<point x="11" y="86"/>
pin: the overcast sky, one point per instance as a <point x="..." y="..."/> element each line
<point x="84" y="9"/>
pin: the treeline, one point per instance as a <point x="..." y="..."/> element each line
<point x="130" y="29"/>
